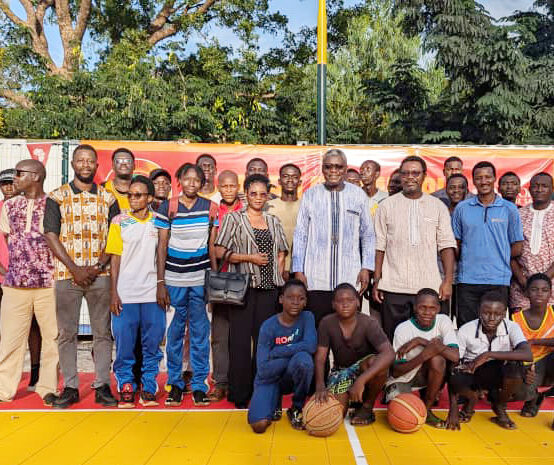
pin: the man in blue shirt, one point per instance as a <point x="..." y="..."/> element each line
<point x="489" y="232"/>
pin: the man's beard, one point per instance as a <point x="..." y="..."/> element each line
<point x="83" y="179"/>
<point x="127" y="177"/>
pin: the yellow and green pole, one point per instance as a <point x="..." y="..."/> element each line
<point x="321" y="73"/>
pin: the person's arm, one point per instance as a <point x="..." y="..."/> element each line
<point x="550" y="271"/>
<point x="214" y="225"/>
<point x="432" y="348"/>
<point x="515" y="249"/>
<point x="367" y="241"/>
<point x="515" y="232"/>
<point x="379" y="258"/>
<point x="307" y="344"/>
<point x="321" y="394"/>
<point x="457" y="229"/>
<point x="115" y="303"/>
<point x="517" y="272"/>
<point x="382" y="361"/>
<point x="300" y="240"/>
<point x="447" y="259"/>
<point x="268" y="369"/>
<point x="547" y="342"/>
<point x="522" y="353"/>
<point x="162" y="296"/>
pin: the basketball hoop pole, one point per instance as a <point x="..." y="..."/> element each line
<point x="322" y="73"/>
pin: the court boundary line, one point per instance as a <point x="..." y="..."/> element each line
<point x="355" y="445"/>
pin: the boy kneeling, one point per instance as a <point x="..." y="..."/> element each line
<point x="284" y="360"/>
<point x="362" y="356"/>
<point x="492" y="350"/>
<point x="537" y="325"/>
<point x="424" y="345"/>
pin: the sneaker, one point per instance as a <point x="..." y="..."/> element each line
<point x="175" y="397"/>
<point x="187" y="378"/>
<point x="277" y="414"/>
<point x="218" y="394"/>
<point x="49" y="399"/>
<point x="69" y="397"/>
<point x="127" y="396"/>
<point x="200" y="399"/>
<point x="104" y="396"/>
<point x="147" y="399"/>
<point x="295" y="417"/>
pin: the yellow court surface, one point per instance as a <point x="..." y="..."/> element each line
<point x="223" y="437"/>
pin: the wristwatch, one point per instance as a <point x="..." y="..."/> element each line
<point x="101" y="266"/>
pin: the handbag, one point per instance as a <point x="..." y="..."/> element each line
<point x="224" y="287"/>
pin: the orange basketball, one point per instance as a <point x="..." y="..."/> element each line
<point x="406" y="413"/>
<point x="322" y="420"/>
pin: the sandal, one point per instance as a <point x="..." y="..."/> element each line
<point x="434" y="421"/>
<point x="531" y="407"/>
<point x="502" y="419"/>
<point x="362" y="416"/>
<point x="465" y="415"/>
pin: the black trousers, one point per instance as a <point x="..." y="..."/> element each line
<point x="398" y="308"/>
<point x="468" y="298"/>
<point x="244" y="329"/>
<point x="320" y="304"/>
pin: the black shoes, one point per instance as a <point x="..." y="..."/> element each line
<point x="104" y="396"/>
<point x="295" y="417"/>
<point x="49" y="399"/>
<point x="200" y="399"/>
<point x="69" y="397"/>
<point x="175" y="397"/>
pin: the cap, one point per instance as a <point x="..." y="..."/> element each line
<point x="7" y="176"/>
<point x="159" y="172"/>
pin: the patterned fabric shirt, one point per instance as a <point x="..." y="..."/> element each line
<point x="236" y="234"/>
<point x="537" y="254"/>
<point x="81" y="220"/>
<point x="31" y="263"/>
<point x="122" y="199"/>
<point x="334" y="237"/>
<point x="187" y="251"/>
<point x="3" y="250"/>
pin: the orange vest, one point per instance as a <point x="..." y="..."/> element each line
<point x="546" y="330"/>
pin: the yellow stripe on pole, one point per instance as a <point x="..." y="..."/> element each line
<point x="322" y="33"/>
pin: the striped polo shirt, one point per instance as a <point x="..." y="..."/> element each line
<point x="187" y="251"/>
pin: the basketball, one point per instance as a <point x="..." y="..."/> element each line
<point x="406" y="413"/>
<point x="322" y="420"/>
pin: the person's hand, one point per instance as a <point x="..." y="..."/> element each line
<point x="321" y="395"/>
<point x="377" y="294"/>
<point x="286" y="275"/>
<point x="162" y="296"/>
<point x="530" y="375"/>
<point x="434" y="347"/>
<point x="82" y="276"/>
<point x="453" y="420"/>
<point x="115" y="304"/>
<point x="477" y="362"/>
<point x="410" y="345"/>
<point x="302" y="277"/>
<point x="356" y="391"/>
<point x="259" y="259"/>
<point x="363" y="280"/>
<point x="445" y="290"/>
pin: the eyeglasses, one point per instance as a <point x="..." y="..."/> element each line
<point x="413" y="174"/>
<point x="123" y="161"/>
<point x="18" y="173"/>
<point x="333" y="166"/>
<point x="137" y="195"/>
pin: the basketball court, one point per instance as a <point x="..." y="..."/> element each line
<point x="84" y="434"/>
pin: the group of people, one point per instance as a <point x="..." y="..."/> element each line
<point x="441" y="273"/>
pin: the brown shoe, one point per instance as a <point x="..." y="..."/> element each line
<point x="217" y="394"/>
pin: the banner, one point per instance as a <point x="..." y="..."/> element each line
<point x="525" y="161"/>
<point x="39" y="151"/>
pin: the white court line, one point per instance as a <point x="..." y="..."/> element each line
<point x="359" y="455"/>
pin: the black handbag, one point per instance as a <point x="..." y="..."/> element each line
<point x="224" y="287"/>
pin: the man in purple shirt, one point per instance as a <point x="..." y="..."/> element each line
<point x="28" y="285"/>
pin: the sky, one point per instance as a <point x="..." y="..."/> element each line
<point x="300" y="13"/>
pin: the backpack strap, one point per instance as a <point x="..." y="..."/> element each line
<point x="173" y="208"/>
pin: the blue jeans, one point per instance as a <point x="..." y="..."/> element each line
<point x="297" y="379"/>
<point x="150" y="318"/>
<point x="189" y="304"/>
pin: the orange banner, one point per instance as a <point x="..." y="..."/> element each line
<point x="525" y="161"/>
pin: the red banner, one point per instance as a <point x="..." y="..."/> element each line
<point x="39" y="151"/>
<point x="525" y="161"/>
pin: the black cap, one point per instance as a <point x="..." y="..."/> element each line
<point x="159" y="172"/>
<point x="7" y="176"/>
